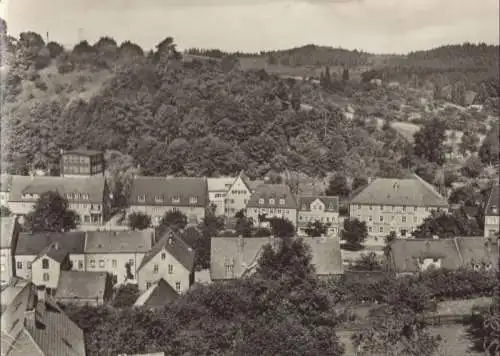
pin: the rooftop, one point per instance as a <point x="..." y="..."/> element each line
<point x="8" y="228"/>
<point x="272" y="191"/>
<point x="118" y="241"/>
<point x="80" y="284"/>
<point x="330" y="203"/>
<point x="32" y="244"/>
<point x="54" y="251"/>
<point x="157" y="296"/>
<point x="219" y="184"/>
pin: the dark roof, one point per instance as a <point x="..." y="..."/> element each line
<point x="77" y="186"/>
<point x="477" y="250"/>
<point x="158" y="295"/>
<point x="118" y="241"/>
<point x="54" y="251"/>
<point x="272" y="191"/>
<point x="80" y="284"/>
<point x="493" y="202"/>
<point x="32" y="244"/>
<point x="175" y="246"/>
<point x="252" y="185"/>
<point x="191" y="235"/>
<point x="331" y="203"/>
<point x="167" y="189"/>
<point x="412" y="191"/>
<point x="83" y="152"/>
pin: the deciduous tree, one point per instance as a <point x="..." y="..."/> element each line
<point x="51" y="213"/>
<point x="354" y="233"/>
<point x="316" y="229"/>
<point x="139" y="221"/>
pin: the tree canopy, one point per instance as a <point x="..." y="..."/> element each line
<point x="51" y="213"/>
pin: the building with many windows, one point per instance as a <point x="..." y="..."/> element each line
<point x="239" y="194"/>
<point x="491" y="214"/>
<point x="272" y="200"/>
<point x="77" y="163"/>
<point x="318" y="208"/>
<point x="217" y="190"/>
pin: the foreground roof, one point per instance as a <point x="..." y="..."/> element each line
<point x="157" y="296"/>
<point x="272" y="191"/>
<point x="118" y="241"/>
<point x="493" y="203"/>
<point x="168" y="189"/>
<point x="413" y="191"/>
<point x="82" y="285"/>
<point x="32" y="244"/>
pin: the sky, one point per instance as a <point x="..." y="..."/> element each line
<point x="378" y="26"/>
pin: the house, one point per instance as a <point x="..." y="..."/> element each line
<point x="87" y="196"/>
<point x="170" y="259"/>
<point x="84" y="288"/>
<point x="82" y="162"/>
<point x="157" y="296"/>
<point x="416" y="255"/>
<point x="47" y="266"/>
<point x="155" y="196"/>
<point x="30" y="245"/>
<point x="217" y="189"/>
<point x="9" y="235"/>
<point x="272" y="200"/>
<point x="235" y="257"/>
<point x="398" y="205"/>
<point x="5" y="186"/>
<point x="318" y="208"/>
<point x="239" y="194"/>
<point x="117" y="252"/>
<point x="491" y="214"/>
<point x="33" y="324"/>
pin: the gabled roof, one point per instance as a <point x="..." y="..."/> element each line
<point x="331" y="203"/>
<point x="221" y="184"/>
<point x="493" y="204"/>
<point x="157" y="296"/>
<point x="413" y="191"/>
<point x="272" y="191"/>
<point x="119" y="241"/>
<point x="32" y="244"/>
<point x="167" y="189"/>
<point x="80" y="284"/>
<point x="55" y="251"/>
<point x="476" y="250"/>
<point x="175" y="246"/>
<point x="244" y="253"/>
<point x="91" y="185"/>
<point x="252" y="185"/>
<point x="8" y="226"/>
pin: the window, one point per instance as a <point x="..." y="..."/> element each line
<point x="155" y="268"/>
<point x="370" y="207"/>
<point x="113" y="263"/>
<point x="170" y="269"/>
<point x="415" y="208"/>
<point x="261" y="201"/>
<point x="370" y="218"/>
<point x="415" y="219"/>
<point x="404" y="209"/>
<point x="359" y="207"/>
<point x="178" y="286"/>
<point x="435" y="260"/>
<point x="282" y="201"/>
<point x="45" y="263"/>
<point x="19" y="265"/>
<point x="85" y="196"/>
<point x="28" y="265"/>
<point x="271" y="201"/>
<point x="141" y="198"/>
<point x="193" y="200"/>
<point x="46" y="277"/>
<point x="370" y="229"/>
<point x="381" y="229"/>
<point x="158" y="199"/>
<point x="176" y="199"/>
<point x="381" y="207"/>
<point x="92" y="263"/>
<point x="381" y="218"/>
<point x="163" y="255"/>
<point x="148" y="285"/>
<point x="80" y="264"/>
<point x="403" y="219"/>
<point x="101" y="263"/>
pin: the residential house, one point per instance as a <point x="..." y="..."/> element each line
<point x="398" y="205"/>
<point x="217" y="189"/>
<point x="5" y="185"/>
<point x="157" y="296"/>
<point x="318" y="208"/>
<point x="47" y="266"/>
<point x="155" y="196"/>
<point x="117" y="252"/>
<point x="87" y="196"/>
<point x="33" y="324"/>
<point x="82" y="162"/>
<point x="29" y="246"/>
<point x="9" y="235"/>
<point x="491" y="214"/>
<point x="272" y="200"/>
<point x="416" y="255"/>
<point x="171" y="259"/>
<point x="235" y="257"/>
<point x="84" y="288"/>
<point x="239" y="194"/>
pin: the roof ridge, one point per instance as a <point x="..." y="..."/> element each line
<point x="428" y="186"/>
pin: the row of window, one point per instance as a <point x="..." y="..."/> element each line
<point x="271" y="201"/>
<point x="160" y="199"/>
<point x="402" y="231"/>
<point x="393" y="208"/>
<point x="239" y="192"/>
<point x="317" y="207"/>
<point x="77" y="196"/>
<point x="177" y="286"/>
<point x="403" y="218"/>
<point x="314" y="218"/>
<point x="271" y="211"/>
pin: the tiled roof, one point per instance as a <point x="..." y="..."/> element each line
<point x="118" y="241"/>
<point x="169" y="189"/>
<point x="32" y="244"/>
<point x="92" y="185"/>
<point x="412" y="191"/>
<point x="80" y="284"/>
<point x="175" y="246"/>
<point x="221" y="184"/>
<point x="8" y="228"/>
<point x="245" y="252"/>
<point x="272" y="191"/>
<point x="157" y="296"/>
<point x="251" y="184"/>
<point x="493" y="204"/>
<point x="477" y="250"/>
<point x="54" y="251"/>
<point x="331" y="203"/>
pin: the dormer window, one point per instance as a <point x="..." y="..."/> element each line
<point x="176" y="199"/>
<point x="141" y="198"/>
<point x="193" y="200"/>
<point x="36" y="196"/>
<point x="488" y="266"/>
<point x="282" y="201"/>
<point x="271" y="201"/>
<point x="85" y="196"/>
<point x="158" y="199"/>
<point x="261" y="201"/>
<point x="330" y="207"/>
<point x="303" y="205"/>
<point x="69" y="196"/>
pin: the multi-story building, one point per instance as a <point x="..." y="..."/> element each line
<point x="155" y="196"/>
<point x="77" y="163"/>
<point x="170" y="259"/>
<point x="87" y="196"/>
<point x="239" y="194"/>
<point x="398" y="205"/>
<point x="117" y="252"/>
<point x="272" y="200"/>
<point x="47" y="266"/>
<point x="491" y="215"/>
<point x="217" y="189"/>
<point x="9" y="235"/>
<point x="318" y="208"/>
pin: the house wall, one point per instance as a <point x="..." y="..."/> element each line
<point x="53" y="272"/>
<point x="179" y="273"/>
<point x="491" y="225"/>
<point x="7" y="270"/>
<point x="218" y="199"/>
<point x="326" y="217"/>
<point x="24" y="267"/>
<point x="290" y="214"/>
<point x="114" y="263"/>
<point x="194" y="214"/>
<point x="237" y="198"/>
<point x="393" y="218"/>
<point x="4" y="198"/>
<point x="428" y="262"/>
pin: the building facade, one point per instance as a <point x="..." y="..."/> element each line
<point x="46" y="267"/>
<point x="77" y="163"/>
<point x="217" y="189"/>
<point x="318" y="208"/>
<point x="9" y="235"/>
<point x="239" y="194"/>
<point x="155" y="196"/>
<point x="272" y="200"/>
<point x="491" y="214"/>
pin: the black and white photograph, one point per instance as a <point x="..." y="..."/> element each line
<point x="249" y="177"/>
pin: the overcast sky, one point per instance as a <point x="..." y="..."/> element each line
<point x="381" y="26"/>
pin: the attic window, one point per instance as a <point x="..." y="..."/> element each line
<point x="271" y="201"/>
<point x="141" y="198"/>
<point x="193" y="200"/>
<point x="158" y="199"/>
<point x="330" y="206"/>
<point x="85" y="196"/>
<point x="282" y="201"/>
<point x="176" y="199"/>
<point x="303" y="206"/>
<point x="261" y="201"/>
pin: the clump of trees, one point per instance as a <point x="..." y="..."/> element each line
<point x="51" y="213"/>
